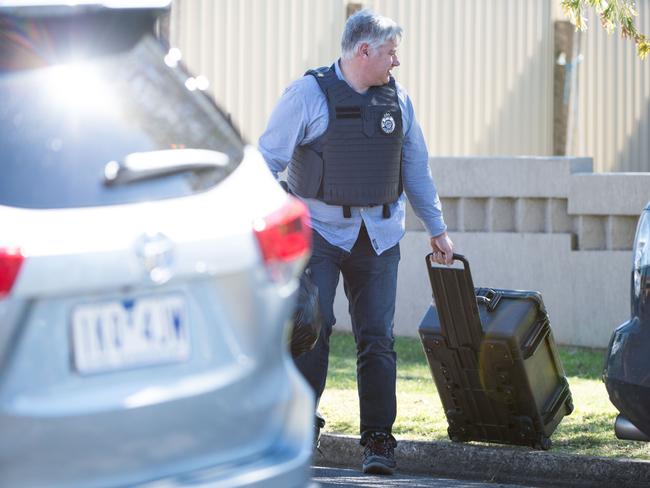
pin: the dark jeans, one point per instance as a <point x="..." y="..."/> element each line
<point x="370" y="284"/>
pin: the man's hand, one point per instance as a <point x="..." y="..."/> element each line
<point x="443" y="249"/>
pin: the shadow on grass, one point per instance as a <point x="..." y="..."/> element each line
<point x="583" y="362"/>
<point x="342" y="426"/>
<point x="588" y="431"/>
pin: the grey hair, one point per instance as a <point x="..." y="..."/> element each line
<point x="369" y="27"/>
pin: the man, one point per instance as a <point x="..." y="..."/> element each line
<point x="352" y="145"/>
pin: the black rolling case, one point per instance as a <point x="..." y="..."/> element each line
<point x="494" y="361"/>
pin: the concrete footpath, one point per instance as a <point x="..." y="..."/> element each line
<point x="494" y="463"/>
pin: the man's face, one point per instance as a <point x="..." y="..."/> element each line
<point x="379" y="62"/>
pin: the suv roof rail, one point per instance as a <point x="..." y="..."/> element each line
<point x="53" y="8"/>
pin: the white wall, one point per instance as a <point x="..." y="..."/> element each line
<point x="545" y="224"/>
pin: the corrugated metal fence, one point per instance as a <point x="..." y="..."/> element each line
<point x="614" y="99"/>
<point x="480" y="72"/>
<point x="250" y="50"/>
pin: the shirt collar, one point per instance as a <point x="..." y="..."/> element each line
<point x="339" y="74"/>
<point x="337" y="70"/>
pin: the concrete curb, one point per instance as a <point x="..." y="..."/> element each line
<point x="494" y="463"/>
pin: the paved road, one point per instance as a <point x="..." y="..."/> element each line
<point x="341" y="477"/>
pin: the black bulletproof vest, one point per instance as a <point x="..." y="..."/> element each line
<point x="358" y="160"/>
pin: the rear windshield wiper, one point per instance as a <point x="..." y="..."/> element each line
<point x="155" y="164"/>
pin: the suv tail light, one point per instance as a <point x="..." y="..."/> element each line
<point x="11" y="259"/>
<point x="285" y="240"/>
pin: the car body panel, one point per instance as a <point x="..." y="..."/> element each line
<point x="31" y="8"/>
<point x="627" y="365"/>
<point x="57" y="418"/>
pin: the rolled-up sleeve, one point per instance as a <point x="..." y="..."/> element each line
<point x="418" y="182"/>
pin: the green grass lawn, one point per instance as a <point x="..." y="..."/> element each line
<point x="589" y="430"/>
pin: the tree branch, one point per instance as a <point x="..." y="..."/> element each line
<point x="613" y="14"/>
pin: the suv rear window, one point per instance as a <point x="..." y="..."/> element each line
<point x="61" y="124"/>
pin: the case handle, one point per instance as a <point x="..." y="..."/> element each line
<point x="535" y="338"/>
<point x="560" y="398"/>
<point x="455" y="257"/>
<point x="489" y="297"/>
<point x="461" y="258"/>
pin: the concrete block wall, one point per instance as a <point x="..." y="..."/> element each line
<point x="536" y="223"/>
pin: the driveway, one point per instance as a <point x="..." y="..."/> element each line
<point x="344" y="477"/>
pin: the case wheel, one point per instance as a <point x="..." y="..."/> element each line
<point x="544" y="443"/>
<point x="457" y="435"/>
<point x="569" y="406"/>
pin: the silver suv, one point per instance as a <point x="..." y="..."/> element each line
<point x="148" y="268"/>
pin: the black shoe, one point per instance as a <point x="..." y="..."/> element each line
<point x="379" y="453"/>
<point x="318" y="425"/>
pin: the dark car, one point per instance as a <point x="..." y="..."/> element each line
<point x="627" y="368"/>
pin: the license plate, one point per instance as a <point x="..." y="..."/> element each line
<point x="116" y="335"/>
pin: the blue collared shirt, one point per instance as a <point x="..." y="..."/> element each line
<point x="301" y="116"/>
